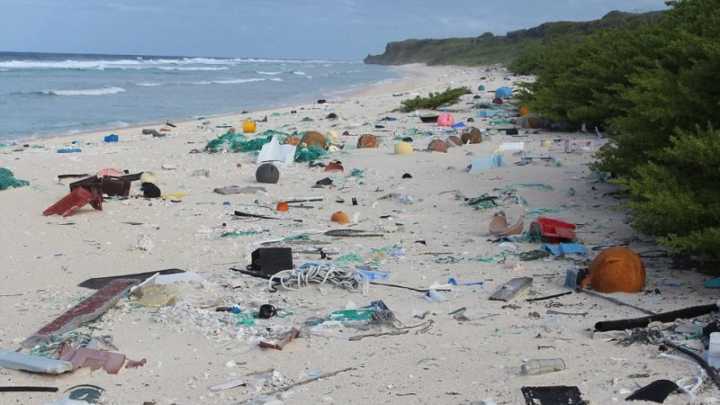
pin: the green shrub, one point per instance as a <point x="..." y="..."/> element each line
<point x="677" y="196"/>
<point x="680" y="91"/>
<point x="581" y="82"/>
<point x="654" y="87"/>
<point x="434" y="100"/>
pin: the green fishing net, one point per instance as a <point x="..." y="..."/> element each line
<point x="310" y="153"/>
<point x="8" y="180"/>
<point x="235" y="142"/>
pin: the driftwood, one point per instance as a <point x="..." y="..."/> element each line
<point x="549" y="297"/>
<point x="665" y="317"/>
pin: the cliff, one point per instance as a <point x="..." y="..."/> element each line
<point x="490" y="49"/>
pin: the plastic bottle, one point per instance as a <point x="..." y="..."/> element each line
<point x="712" y="355"/>
<point x="542" y="366"/>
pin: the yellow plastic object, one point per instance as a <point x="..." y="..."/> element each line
<point x="403" y="148"/>
<point x="174" y="196"/>
<point x="148" y="177"/>
<point x="249" y="126"/>
<point x="524" y="110"/>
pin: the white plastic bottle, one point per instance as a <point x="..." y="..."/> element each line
<point x="542" y="366"/>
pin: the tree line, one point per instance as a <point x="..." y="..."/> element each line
<point x="654" y="89"/>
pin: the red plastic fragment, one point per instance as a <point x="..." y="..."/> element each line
<point x="78" y="198"/>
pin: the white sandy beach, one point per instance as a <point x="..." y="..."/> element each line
<point x="189" y="347"/>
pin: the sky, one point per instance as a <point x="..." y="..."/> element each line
<point x="329" y="29"/>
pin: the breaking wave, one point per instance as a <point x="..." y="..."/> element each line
<point x="86" y="92"/>
<point x="141" y="63"/>
<point x="237" y="81"/>
<point x="193" y="69"/>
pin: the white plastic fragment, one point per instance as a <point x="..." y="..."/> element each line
<point x="35" y="364"/>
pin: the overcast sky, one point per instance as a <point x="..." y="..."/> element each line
<point x="334" y="29"/>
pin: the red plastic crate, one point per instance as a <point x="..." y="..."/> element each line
<point x="553" y="230"/>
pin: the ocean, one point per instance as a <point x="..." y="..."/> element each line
<point x="43" y="94"/>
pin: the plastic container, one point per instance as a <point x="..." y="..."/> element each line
<point x="712" y="355"/>
<point x="552" y="230"/>
<point x="714" y="345"/>
<point x="542" y="366"/>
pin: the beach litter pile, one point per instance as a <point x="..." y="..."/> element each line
<point x="334" y="248"/>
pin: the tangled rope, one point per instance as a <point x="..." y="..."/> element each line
<point x="315" y="273"/>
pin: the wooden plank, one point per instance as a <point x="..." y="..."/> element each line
<point x="88" y="310"/>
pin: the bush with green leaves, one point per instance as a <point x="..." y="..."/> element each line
<point x="677" y="195"/>
<point x="680" y="91"/>
<point x="655" y="89"/>
<point x="581" y="82"/>
<point x="435" y="100"/>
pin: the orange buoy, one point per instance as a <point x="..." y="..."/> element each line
<point x="334" y="166"/>
<point x="314" y="138"/>
<point x="471" y="135"/>
<point x="438" y="145"/>
<point x="616" y="269"/>
<point x="282" y="206"/>
<point x="367" y="141"/>
<point x="340" y="218"/>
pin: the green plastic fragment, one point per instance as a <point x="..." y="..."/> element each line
<point x="245" y="319"/>
<point x="537" y="186"/>
<point x="237" y="234"/>
<point x="348" y="259"/>
<point x="351" y="315"/>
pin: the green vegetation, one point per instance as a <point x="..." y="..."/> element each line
<point x="653" y="87"/>
<point x="490" y="49"/>
<point x="434" y="100"/>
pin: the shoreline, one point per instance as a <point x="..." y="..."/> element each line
<point x="408" y="73"/>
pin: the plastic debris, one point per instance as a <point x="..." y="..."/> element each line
<point x="565" y="249"/>
<point x="35" y="364"/>
<point x="8" y="180"/>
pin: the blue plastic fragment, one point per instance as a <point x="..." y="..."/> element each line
<point x="69" y="150"/>
<point x="111" y="138"/>
<point x="713" y="283"/>
<point x="562" y="249"/>
<point x="455" y="282"/>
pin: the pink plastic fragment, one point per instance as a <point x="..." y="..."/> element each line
<point x="95" y="359"/>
